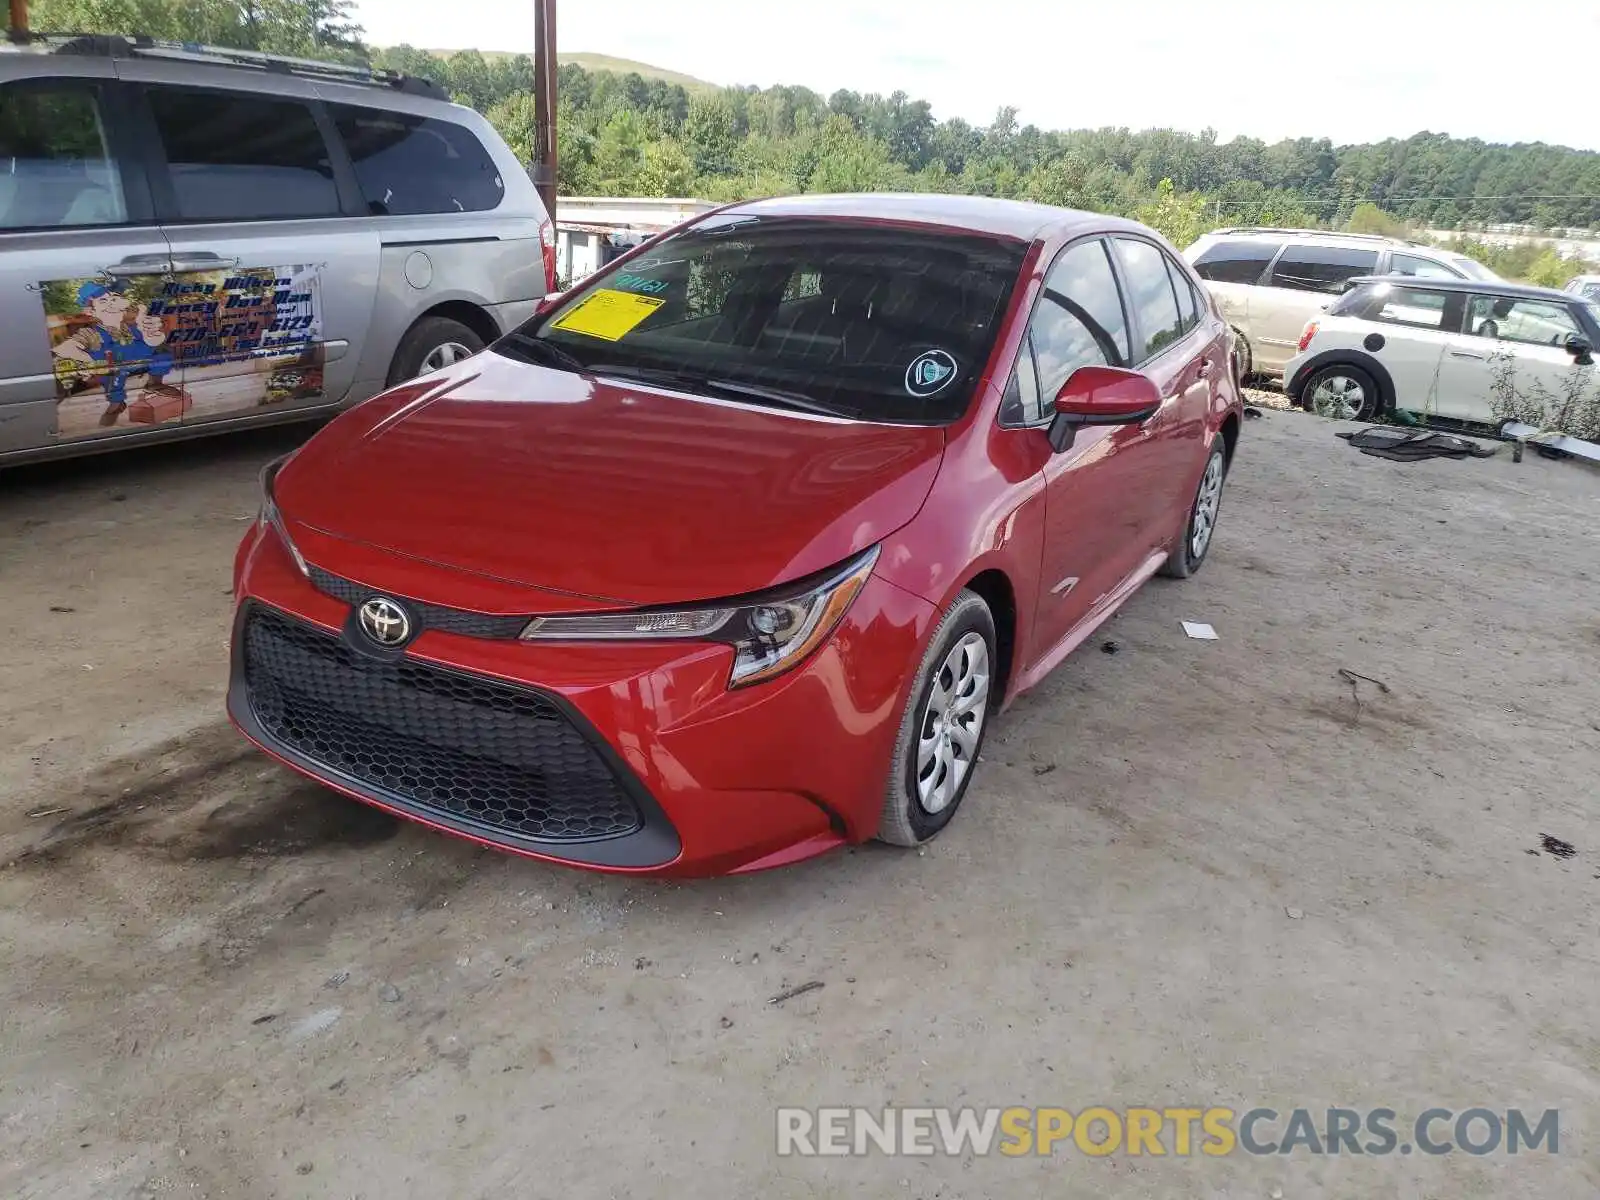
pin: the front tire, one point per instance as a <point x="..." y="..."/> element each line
<point x="941" y="734"/>
<point x="1187" y="556"/>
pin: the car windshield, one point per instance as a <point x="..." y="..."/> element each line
<point x="878" y="321"/>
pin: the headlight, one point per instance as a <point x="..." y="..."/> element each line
<point x="770" y="633"/>
<point x="270" y="517"/>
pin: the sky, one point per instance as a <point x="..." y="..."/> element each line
<point x="1351" y="70"/>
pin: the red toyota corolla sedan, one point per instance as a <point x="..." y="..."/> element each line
<point x="730" y="555"/>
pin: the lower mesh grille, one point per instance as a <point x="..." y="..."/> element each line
<point x="468" y="747"/>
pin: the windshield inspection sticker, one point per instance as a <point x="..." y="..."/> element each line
<point x="608" y="314"/>
<point x="930" y="372"/>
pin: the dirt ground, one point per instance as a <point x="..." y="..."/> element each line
<point x="1191" y="873"/>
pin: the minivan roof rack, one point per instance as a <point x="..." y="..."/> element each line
<point x="1338" y="233"/>
<point x="140" y="46"/>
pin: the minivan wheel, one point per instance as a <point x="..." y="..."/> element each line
<point x="1243" y="359"/>
<point x="941" y="734"/>
<point x="1342" y="392"/>
<point x="432" y="344"/>
<point x="1186" y="556"/>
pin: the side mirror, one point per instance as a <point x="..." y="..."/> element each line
<point x="1578" y="347"/>
<point x="1101" y="396"/>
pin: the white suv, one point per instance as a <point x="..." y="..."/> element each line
<point x="1467" y="351"/>
<point x="1270" y="282"/>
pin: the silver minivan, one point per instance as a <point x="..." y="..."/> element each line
<point x="200" y="239"/>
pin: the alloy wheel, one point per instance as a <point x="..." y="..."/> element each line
<point x="952" y="722"/>
<point x="1339" y="396"/>
<point x="1206" y="504"/>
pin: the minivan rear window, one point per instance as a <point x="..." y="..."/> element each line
<point x="1235" y="260"/>
<point x="409" y="165"/>
<point x="878" y="321"/>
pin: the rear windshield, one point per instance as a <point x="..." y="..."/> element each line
<point x="877" y="321"/>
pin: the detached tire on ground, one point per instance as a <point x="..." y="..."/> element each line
<point x="1346" y="393"/>
<point x="430" y="345"/>
<point x="1189" y="554"/>
<point x="941" y="734"/>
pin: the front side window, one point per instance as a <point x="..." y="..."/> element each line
<point x="1078" y="320"/>
<point x="1507" y="319"/>
<point x="56" y="170"/>
<point x="1311" y="268"/>
<point x="1022" y="404"/>
<point x="408" y="165"/>
<point x="237" y="157"/>
<point x="880" y="322"/>
<point x="1422" y="268"/>
<point x="1150" y="296"/>
<point x="1235" y="260"/>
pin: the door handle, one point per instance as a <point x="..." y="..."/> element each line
<point x="140" y="264"/>
<point x="1465" y="354"/>
<point x="203" y="261"/>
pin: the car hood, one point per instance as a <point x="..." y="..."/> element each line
<point x="599" y="493"/>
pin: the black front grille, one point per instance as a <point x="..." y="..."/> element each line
<point x="426" y="616"/>
<point x="469" y="748"/>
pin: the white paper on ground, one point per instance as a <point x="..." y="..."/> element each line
<point x="1199" y="629"/>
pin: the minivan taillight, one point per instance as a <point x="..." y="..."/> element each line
<point x="547" y="243"/>
<point x="1309" y="332"/>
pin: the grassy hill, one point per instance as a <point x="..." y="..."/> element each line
<point x="607" y="62"/>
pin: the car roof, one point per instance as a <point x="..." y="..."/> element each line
<point x="1481" y="287"/>
<point x="979" y="214"/>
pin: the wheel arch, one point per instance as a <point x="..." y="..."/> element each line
<point x="1345" y="356"/>
<point x="997" y="591"/>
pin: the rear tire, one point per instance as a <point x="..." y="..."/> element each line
<point x="941" y="733"/>
<point x="1200" y="529"/>
<point x="1344" y="393"/>
<point x="432" y="344"/>
<point x="1243" y="358"/>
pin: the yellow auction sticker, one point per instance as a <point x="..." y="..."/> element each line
<point x="608" y="314"/>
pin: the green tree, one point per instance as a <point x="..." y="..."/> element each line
<point x="665" y="170"/>
<point x="709" y="133"/>
<point x="1178" y="217"/>
<point x="1369" y="218"/>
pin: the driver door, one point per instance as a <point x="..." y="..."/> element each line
<point x="1097" y="507"/>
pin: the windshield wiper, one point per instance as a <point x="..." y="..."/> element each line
<point x="693" y="381"/>
<point x="548" y="353"/>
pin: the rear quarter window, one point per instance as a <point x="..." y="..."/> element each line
<point x="409" y="165"/>
<point x="1236" y="260"/>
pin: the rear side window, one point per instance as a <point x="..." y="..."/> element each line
<point x="55" y="167"/>
<point x="1313" y="268"/>
<point x="1236" y="260"/>
<point x="409" y="165"/>
<point x="1188" y="308"/>
<point x="1412" y="306"/>
<point x="236" y="157"/>
<point x="1150" y="296"/>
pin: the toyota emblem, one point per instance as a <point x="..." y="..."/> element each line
<point x="385" y="622"/>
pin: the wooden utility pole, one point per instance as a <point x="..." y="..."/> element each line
<point x="19" y="17"/>
<point x="544" y="102"/>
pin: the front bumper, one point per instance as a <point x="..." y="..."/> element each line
<point x="622" y="757"/>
